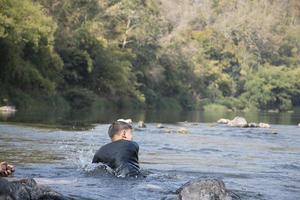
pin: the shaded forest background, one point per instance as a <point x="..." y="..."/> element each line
<point x="157" y="54"/>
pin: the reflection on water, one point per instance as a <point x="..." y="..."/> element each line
<point x="85" y="118"/>
<point x="6" y="115"/>
<point x="255" y="164"/>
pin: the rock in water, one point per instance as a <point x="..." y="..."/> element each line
<point x="253" y="125"/>
<point x="182" y="131"/>
<point x="274" y="131"/>
<point x="160" y="126"/>
<point x="264" y="125"/>
<point x="238" y="122"/>
<point x="141" y="124"/>
<point x="223" y="121"/>
<point x="204" y="189"/>
<point x="9" y="109"/>
<point x="27" y="189"/>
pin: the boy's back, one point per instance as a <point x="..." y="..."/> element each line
<point x="121" y="156"/>
<point x="122" y="153"/>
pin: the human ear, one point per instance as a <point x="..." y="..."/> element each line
<point x="124" y="134"/>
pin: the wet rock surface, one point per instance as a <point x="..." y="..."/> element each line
<point x="27" y="189"/>
<point x="204" y="189"/>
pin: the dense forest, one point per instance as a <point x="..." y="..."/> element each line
<point x="156" y="54"/>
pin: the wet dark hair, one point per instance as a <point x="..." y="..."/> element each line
<point x="117" y="126"/>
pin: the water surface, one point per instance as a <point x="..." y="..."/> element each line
<point x="53" y="117"/>
<point x="253" y="162"/>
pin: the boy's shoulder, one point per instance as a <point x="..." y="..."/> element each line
<point x="131" y="143"/>
<point x="120" y="143"/>
<point x="126" y="143"/>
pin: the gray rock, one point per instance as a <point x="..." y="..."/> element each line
<point x="223" y="121"/>
<point x="26" y="189"/>
<point x="238" y="122"/>
<point x="141" y="124"/>
<point x="204" y="189"/>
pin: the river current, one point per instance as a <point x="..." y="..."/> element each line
<point x="253" y="162"/>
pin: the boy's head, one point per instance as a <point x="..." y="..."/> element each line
<point x="120" y="130"/>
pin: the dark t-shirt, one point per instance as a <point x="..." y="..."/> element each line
<point x="121" y="156"/>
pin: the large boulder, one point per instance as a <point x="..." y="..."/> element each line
<point x="204" y="189"/>
<point x="238" y="122"/>
<point x="26" y="189"/>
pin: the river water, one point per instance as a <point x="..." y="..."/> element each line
<point x="254" y="163"/>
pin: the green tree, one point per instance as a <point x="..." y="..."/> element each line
<point x="28" y="61"/>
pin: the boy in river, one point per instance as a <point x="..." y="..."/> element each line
<point x="121" y="155"/>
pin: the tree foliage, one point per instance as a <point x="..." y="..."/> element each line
<point x="28" y="61"/>
<point x="153" y="53"/>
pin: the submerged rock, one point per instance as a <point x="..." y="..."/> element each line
<point x="27" y="189"/>
<point x="188" y="124"/>
<point x="141" y="124"/>
<point x="182" y="131"/>
<point x="167" y="130"/>
<point x="223" y="121"/>
<point x="238" y="122"/>
<point x="207" y="189"/>
<point x="274" y="131"/>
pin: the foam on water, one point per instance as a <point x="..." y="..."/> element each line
<point x="83" y="160"/>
